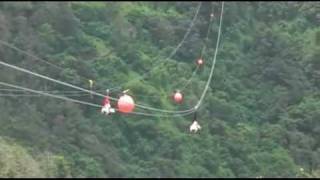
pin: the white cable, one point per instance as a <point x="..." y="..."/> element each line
<point x="187" y="33"/>
<point x="50" y="79"/>
<point x="171" y="115"/>
<point x="212" y="67"/>
<point x="28" y="54"/>
<point x="141" y="106"/>
<point x="86" y="103"/>
<point x="189" y="80"/>
<point x="118" y="87"/>
<point x="202" y="52"/>
<point x="53" y="92"/>
<point x="213" y="63"/>
<point x="72" y="92"/>
<point x="33" y="95"/>
<point x="79" y="88"/>
<point x="47" y="94"/>
<point x="38" y="58"/>
<point x="195" y="108"/>
<point x="175" y="50"/>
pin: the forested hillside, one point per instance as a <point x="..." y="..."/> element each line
<point x="259" y="118"/>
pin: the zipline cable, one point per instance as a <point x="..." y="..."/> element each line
<point x="213" y="61"/>
<point x="34" y="95"/>
<point x="202" y="51"/>
<point x="195" y="108"/>
<point x="141" y="106"/>
<point x="189" y="80"/>
<point x="28" y="54"/>
<point x="173" y="52"/>
<point x="117" y="87"/>
<point x="79" y="88"/>
<point x="47" y="94"/>
<point x="72" y="92"/>
<point x="85" y="103"/>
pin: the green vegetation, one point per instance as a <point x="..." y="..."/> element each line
<point x="260" y="116"/>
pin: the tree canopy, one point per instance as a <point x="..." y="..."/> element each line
<point x="260" y="117"/>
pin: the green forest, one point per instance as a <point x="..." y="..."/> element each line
<point x="259" y="118"/>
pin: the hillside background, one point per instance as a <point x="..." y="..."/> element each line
<point x="261" y="116"/>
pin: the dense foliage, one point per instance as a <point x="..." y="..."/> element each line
<point x="260" y="116"/>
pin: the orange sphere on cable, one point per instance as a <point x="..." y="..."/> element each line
<point x="200" y="62"/>
<point x="178" y="97"/>
<point x="125" y="104"/>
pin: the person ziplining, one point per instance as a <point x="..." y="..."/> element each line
<point x="195" y="125"/>
<point x="107" y="109"/>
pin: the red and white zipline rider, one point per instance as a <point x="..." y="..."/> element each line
<point x="106" y="106"/>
